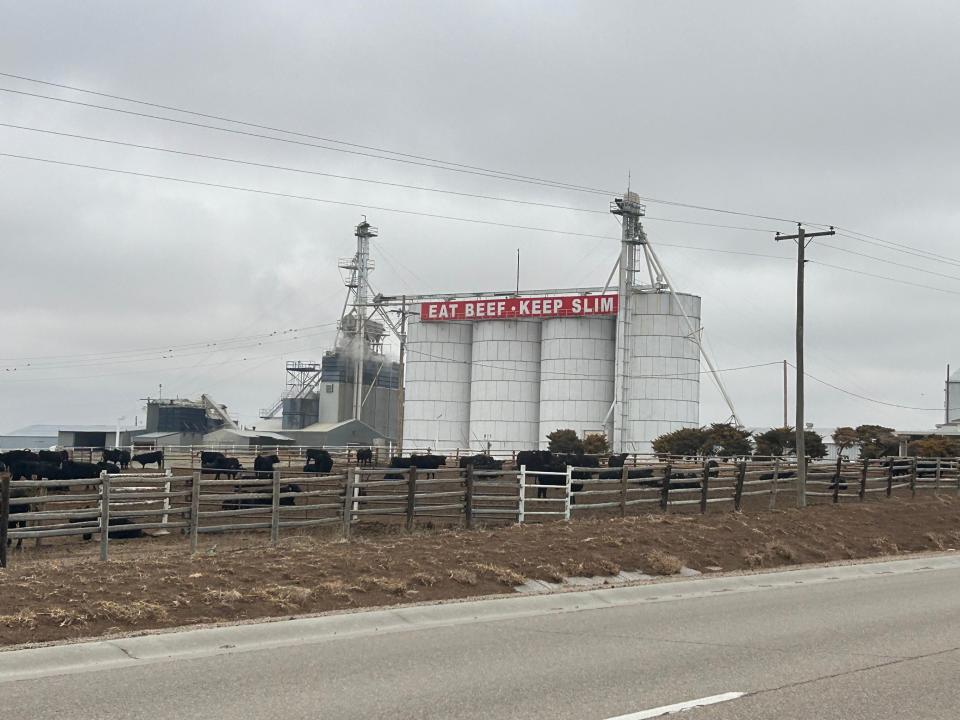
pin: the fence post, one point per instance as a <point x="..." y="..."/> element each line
<point x="890" y="462"/>
<point x="836" y="484"/>
<point x="275" y="509"/>
<point x="195" y="511"/>
<point x="704" y="486"/>
<point x="775" y="483"/>
<point x="624" y="479"/>
<point x="936" y="485"/>
<point x="569" y="489"/>
<point x="4" y="518"/>
<point x="104" y="514"/>
<point x="863" y="479"/>
<point x="348" y="488"/>
<point x="468" y="498"/>
<point x="913" y="477"/>
<point x="523" y="492"/>
<point x="665" y="488"/>
<point x="738" y="493"/>
<point x="165" y="518"/>
<point x="411" y="496"/>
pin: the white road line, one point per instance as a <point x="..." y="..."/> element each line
<point x="679" y="707"/>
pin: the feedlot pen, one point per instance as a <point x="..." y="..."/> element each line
<point x="186" y="503"/>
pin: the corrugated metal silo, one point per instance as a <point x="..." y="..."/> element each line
<point x="576" y="374"/>
<point x="505" y="385"/>
<point x="437" y="400"/>
<point x="663" y="384"/>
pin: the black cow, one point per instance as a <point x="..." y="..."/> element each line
<point x="57" y="457"/>
<point x="228" y="466"/>
<point x="544" y="461"/>
<point x="10" y="457"/>
<point x="72" y="470"/>
<point x="364" y="456"/>
<point x="209" y="458"/>
<point x="18" y="507"/>
<point x="30" y="469"/>
<point x="617" y="460"/>
<point x="117" y="529"/>
<point x="118" y="456"/>
<point x="259" y="501"/>
<point x="148" y="458"/>
<point x="318" y="461"/>
<point x="263" y="465"/>
<point x="481" y="462"/>
<point x="420" y="462"/>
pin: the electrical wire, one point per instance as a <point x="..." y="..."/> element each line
<point x="98" y="362"/>
<point x="863" y="397"/>
<point x="401" y="157"/>
<point x="405" y="186"/>
<point x="165" y="348"/>
<point x="292" y="196"/>
<point x="409" y="157"/>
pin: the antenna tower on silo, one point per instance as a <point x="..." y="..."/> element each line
<point x="633" y="238"/>
<point x="356" y="331"/>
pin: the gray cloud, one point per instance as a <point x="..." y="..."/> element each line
<point x="828" y="112"/>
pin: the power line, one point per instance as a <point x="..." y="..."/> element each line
<point x="165" y="348"/>
<point x="289" y="132"/>
<point x="100" y="362"/>
<point x="320" y="173"/>
<point x="293" y="196"/>
<point x="863" y="397"/>
<point x="437" y="216"/>
<point x="884" y="277"/>
<point x="436" y="164"/>
<point x="894" y="246"/>
<point x="889" y="262"/>
<point x="439" y="163"/>
<point x="250" y="163"/>
<point x="303" y="143"/>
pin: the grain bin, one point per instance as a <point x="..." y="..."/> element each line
<point x="663" y="382"/>
<point x="505" y="385"/>
<point x="576" y="374"/>
<point x="437" y="379"/>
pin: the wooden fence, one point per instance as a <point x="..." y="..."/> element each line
<point x="190" y="502"/>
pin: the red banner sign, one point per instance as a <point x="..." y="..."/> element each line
<point x="520" y="307"/>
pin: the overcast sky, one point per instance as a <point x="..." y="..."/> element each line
<point x="827" y="112"/>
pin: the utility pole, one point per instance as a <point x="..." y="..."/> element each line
<point x="803" y="238"/>
<point x="785" y="393"/>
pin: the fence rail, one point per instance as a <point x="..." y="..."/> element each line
<point x="189" y="502"/>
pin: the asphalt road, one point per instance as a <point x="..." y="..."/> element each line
<point x="871" y="641"/>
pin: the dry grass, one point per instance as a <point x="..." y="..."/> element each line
<point x="391" y="587"/>
<point x="221" y="597"/>
<point x="658" y="562"/>
<point x="503" y="575"/>
<point x="464" y="577"/>
<point x="284" y="596"/>
<point x="424" y="579"/>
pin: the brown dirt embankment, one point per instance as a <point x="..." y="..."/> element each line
<point x="155" y="585"/>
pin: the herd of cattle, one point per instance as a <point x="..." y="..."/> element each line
<point x="57" y="465"/>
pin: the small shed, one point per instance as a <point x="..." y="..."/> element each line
<point x="338" y="434"/>
<point x="166" y="439"/>
<point x="246" y="438"/>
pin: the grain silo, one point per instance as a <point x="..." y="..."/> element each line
<point x="576" y="374"/>
<point x="437" y="377"/>
<point x="663" y="388"/>
<point x="505" y="385"/>
<point x="502" y="370"/>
